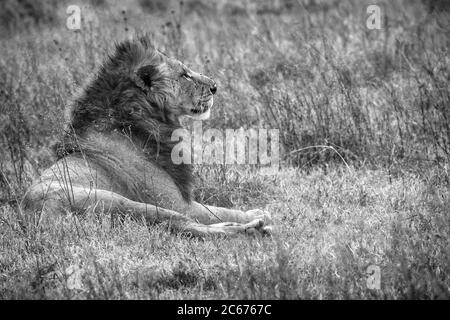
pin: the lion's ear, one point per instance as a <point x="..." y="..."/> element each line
<point x="147" y="74"/>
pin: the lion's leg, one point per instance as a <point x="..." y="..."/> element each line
<point x="154" y="214"/>
<point x="103" y="200"/>
<point x="210" y="215"/>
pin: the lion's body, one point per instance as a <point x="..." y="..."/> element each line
<point x="115" y="164"/>
<point x="116" y="153"/>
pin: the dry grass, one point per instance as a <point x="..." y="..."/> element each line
<point x="309" y="68"/>
<point x="331" y="226"/>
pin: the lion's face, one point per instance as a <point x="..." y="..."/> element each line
<point x="193" y="92"/>
<point x="167" y="83"/>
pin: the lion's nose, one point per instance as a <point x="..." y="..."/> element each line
<point x="213" y="89"/>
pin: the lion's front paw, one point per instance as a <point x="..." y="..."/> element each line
<point x="260" y="214"/>
<point x="255" y="227"/>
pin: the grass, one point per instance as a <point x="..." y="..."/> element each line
<point x="375" y="193"/>
<point x="331" y="226"/>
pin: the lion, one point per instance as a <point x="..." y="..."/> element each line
<point x="115" y="154"/>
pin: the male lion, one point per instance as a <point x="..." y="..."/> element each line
<point x="116" y="153"/>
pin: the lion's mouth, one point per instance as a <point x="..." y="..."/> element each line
<point x="197" y="111"/>
<point x="201" y="113"/>
<point x="202" y="107"/>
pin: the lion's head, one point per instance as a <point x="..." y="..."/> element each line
<point x="137" y="83"/>
<point x="191" y="92"/>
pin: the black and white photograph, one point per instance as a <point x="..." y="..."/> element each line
<point x="237" y="151"/>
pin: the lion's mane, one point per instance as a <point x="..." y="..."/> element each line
<point x="113" y="101"/>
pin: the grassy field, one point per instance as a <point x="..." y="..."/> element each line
<point x="365" y="139"/>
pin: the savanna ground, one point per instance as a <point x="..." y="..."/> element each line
<point x="365" y="145"/>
